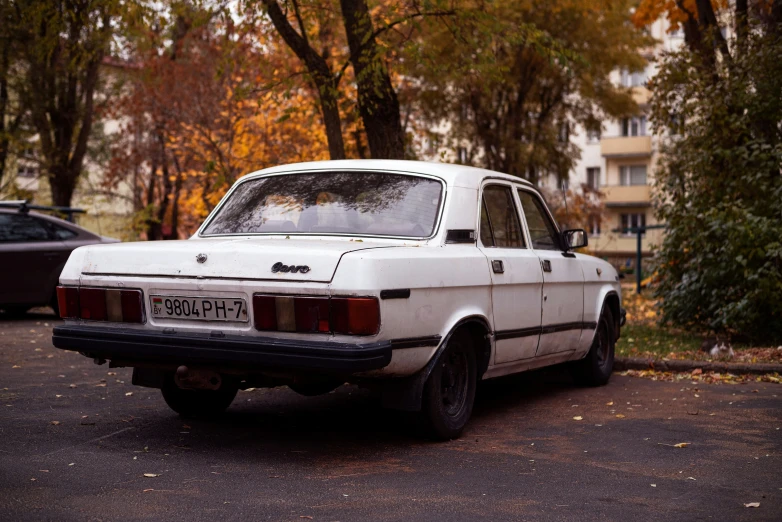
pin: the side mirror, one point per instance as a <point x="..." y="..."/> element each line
<point x="575" y="238"/>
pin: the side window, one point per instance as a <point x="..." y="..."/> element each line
<point x="542" y="231"/>
<point x="59" y="232"/>
<point x="500" y="225"/>
<point x="18" y="227"/>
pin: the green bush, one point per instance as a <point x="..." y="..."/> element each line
<point x="718" y="187"/>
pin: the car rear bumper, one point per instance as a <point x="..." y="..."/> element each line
<point x="249" y="354"/>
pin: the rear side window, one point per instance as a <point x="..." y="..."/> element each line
<point x="60" y="232"/>
<point x="542" y="231"/>
<point x="22" y="228"/>
<point x="500" y="225"/>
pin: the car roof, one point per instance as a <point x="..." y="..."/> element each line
<point x="453" y="174"/>
<point x="57" y="221"/>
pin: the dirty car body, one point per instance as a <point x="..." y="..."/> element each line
<point x="415" y="278"/>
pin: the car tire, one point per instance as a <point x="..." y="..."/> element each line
<point x="198" y="403"/>
<point x="449" y="392"/>
<point x="595" y="369"/>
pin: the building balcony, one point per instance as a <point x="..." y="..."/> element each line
<point x="626" y="146"/>
<point x="627" y="195"/>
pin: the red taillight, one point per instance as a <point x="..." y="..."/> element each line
<point x="68" y="301"/>
<point x="312" y="314"/>
<point x="265" y="312"/>
<point x="132" y="306"/>
<point x="100" y="304"/>
<point x="345" y="315"/>
<point x="92" y="302"/>
<point x="355" y="315"/>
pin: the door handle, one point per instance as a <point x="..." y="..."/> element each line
<point x="546" y="265"/>
<point x="498" y="266"/>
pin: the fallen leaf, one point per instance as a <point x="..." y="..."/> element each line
<point x="610" y="403"/>
<point x="58" y="396"/>
<point x="128" y="394"/>
<point x="55" y="422"/>
<point x="305" y="516"/>
<point x="71" y="386"/>
<point x="577" y="418"/>
<point x="15" y="366"/>
<point x="653" y="485"/>
<point x="620" y="416"/>
<point x="101" y="385"/>
<point x="690" y="478"/>
<point x="147" y="490"/>
<point x="752" y="504"/>
<point x="151" y="475"/>
<point x="681" y="445"/>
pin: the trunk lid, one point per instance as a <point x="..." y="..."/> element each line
<point x="229" y="258"/>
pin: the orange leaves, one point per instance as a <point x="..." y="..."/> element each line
<point x="676" y="11"/>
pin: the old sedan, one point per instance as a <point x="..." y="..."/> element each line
<point x="418" y="279"/>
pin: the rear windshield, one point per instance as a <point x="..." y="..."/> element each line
<point x="361" y="203"/>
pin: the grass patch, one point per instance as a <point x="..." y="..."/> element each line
<point x="648" y="339"/>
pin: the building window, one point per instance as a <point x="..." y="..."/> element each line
<point x="629" y="221"/>
<point x="594" y="226"/>
<point x="635" y="79"/>
<point x="634" y="126"/>
<point x="593" y="136"/>
<point x="27" y="171"/>
<point x="632" y="175"/>
<point x="461" y="155"/>
<point x="593" y="177"/>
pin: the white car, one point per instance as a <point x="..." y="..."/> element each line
<point x="415" y="278"/>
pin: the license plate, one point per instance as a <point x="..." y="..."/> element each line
<point x="199" y="308"/>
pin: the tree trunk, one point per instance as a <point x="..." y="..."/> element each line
<point x="324" y="79"/>
<point x="62" y="183"/>
<point x="377" y="100"/>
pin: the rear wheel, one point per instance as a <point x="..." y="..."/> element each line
<point x="595" y="369"/>
<point x="449" y="392"/>
<point x="198" y="403"/>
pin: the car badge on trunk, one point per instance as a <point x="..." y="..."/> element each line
<point x="279" y="267"/>
<point x="201" y="258"/>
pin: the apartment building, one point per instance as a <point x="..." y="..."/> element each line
<point x="620" y="162"/>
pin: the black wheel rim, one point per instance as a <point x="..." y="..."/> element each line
<point x="454" y="382"/>
<point x="603" y="347"/>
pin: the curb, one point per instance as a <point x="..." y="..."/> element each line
<point x="636" y="363"/>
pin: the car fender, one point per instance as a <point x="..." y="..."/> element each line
<point x="407" y="393"/>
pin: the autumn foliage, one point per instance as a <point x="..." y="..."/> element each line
<point x="197" y="114"/>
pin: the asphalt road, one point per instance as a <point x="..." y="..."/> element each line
<point x="76" y="441"/>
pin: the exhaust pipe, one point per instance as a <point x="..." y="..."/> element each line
<point x="196" y="379"/>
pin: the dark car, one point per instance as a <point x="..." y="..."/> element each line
<point x="33" y="249"/>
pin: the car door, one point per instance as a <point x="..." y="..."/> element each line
<point x="563" y="279"/>
<point x="29" y="253"/>
<point x="515" y="273"/>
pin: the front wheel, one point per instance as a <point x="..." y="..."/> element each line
<point x="595" y="369"/>
<point x="449" y="392"/>
<point x="198" y="403"/>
